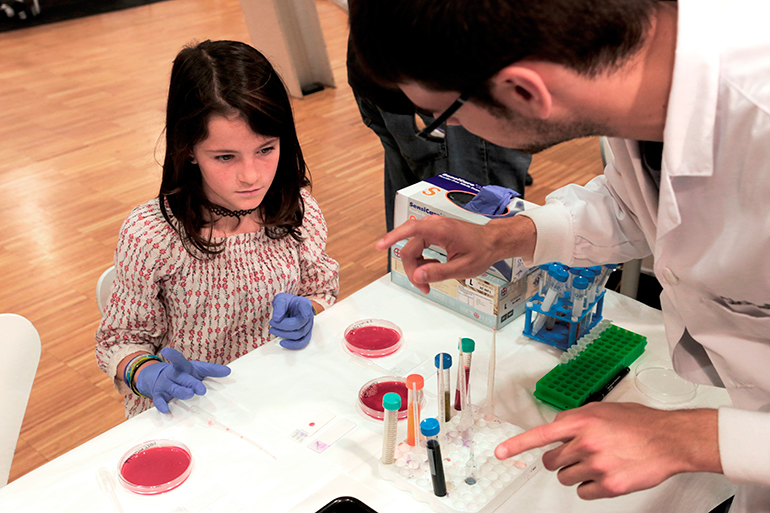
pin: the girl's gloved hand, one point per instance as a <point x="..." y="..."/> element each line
<point x="292" y="320"/>
<point x="178" y="378"/>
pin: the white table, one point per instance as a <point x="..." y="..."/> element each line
<point x="272" y="392"/>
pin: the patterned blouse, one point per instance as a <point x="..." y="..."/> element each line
<point x="211" y="310"/>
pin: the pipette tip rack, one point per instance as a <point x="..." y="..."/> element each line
<point x="496" y="480"/>
<point x="589" y="365"/>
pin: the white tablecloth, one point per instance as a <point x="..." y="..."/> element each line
<point x="273" y="392"/>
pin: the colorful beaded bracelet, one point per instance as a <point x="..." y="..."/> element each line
<point x="134" y="368"/>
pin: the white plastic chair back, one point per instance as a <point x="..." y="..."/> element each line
<point x="104" y="288"/>
<point x="20" y="349"/>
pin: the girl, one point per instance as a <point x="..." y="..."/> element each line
<point x="232" y="232"/>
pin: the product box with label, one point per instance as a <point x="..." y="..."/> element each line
<point x="488" y="299"/>
<point x="446" y="195"/>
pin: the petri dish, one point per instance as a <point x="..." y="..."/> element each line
<point x="155" y="466"/>
<point x="370" y="396"/>
<point x="664" y="385"/>
<point x="373" y="338"/>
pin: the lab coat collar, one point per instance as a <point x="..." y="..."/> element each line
<point x="689" y="132"/>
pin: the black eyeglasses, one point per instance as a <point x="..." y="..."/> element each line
<point x="427" y="133"/>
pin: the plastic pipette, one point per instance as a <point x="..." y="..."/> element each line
<point x="107" y="484"/>
<point x="489" y="407"/>
<point x="467" y="346"/>
<point x="414" y="383"/>
<point x="211" y="421"/>
<point x="391" y="402"/>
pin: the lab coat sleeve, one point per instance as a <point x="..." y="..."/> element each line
<point x="744" y="445"/>
<point x="588" y="225"/>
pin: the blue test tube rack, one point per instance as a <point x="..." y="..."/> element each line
<point x="565" y="331"/>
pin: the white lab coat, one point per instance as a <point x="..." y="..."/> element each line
<point x="708" y="226"/>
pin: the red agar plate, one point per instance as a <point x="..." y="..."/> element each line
<point x="154" y="467"/>
<point x="370" y="396"/>
<point x="373" y="338"/>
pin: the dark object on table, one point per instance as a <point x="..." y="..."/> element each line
<point x="346" y="505"/>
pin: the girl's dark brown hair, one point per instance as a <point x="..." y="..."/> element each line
<point x="226" y="78"/>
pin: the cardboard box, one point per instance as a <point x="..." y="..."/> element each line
<point x="487" y="299"/>
<point x="446" y="195"/>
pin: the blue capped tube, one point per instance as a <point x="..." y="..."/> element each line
<point x="556" y="282"/>
<point x="579" y="289"/>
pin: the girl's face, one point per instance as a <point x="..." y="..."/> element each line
<point x="237" y="165"/>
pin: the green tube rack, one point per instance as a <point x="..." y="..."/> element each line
<point x="606" y="352"/>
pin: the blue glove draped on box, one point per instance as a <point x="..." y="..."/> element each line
<point x="491" y="200"/>
<point x="292" y="320"/>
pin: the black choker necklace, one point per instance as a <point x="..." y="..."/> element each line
<point x="222" y="211"/>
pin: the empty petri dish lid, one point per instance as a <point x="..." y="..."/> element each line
<point x="664" y="385"/>
<point x="373" y="338"/>
<point x="155" y="466"/>
<point x="371" y="394"/>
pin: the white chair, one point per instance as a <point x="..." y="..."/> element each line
<point x="104" y="288"/>
<point x="20" y="349"/>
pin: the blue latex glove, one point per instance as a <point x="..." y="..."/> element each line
<point x="179" y="377"/>
<point x="292" y="320"/>
<point x="491" y="200"/>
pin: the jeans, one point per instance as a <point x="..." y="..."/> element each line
<point x="410" y="159"/>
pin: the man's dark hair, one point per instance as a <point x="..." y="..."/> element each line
<point x="457" y="45"/>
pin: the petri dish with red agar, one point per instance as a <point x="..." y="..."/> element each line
<point x="155" y="467"/>
<point x="370" y="396"/>
<point x="373" y="338"/>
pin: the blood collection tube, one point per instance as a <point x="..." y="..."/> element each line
<point x="555" y="285"/>
<point x="414" y="383"/>
<point x="467" y="346"/>
<point x="391" y="403"/>
<point x="443" y="362"/>
<point x="430" y="429"/>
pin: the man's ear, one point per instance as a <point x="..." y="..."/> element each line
<point x="523" y="90"/>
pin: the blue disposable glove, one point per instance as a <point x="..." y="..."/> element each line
<point x="491" y="200"/>
<point x="292" y="320"/>
<point x="179" y="377"/>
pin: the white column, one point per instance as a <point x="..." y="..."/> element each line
<point x="289" y="33"/>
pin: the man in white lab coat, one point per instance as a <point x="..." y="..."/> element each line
<point x="683" y="89"/>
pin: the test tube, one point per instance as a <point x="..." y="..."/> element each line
<point x="590" y="275"/>
<point x="579" y="290"/>
<point x="414" y="383"/>
<point x="556" y="282"/>
<point x="430" y="429"/>
<point x="467" y="347"/>
<point x="391" y="403"/>
<point x="573" y="272"/>
<point x="443" y="362"/>
<point x="604" y="277"/>
<point x="543" y="274"/>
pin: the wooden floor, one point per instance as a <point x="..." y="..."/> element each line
<point x="81" y="114"/>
